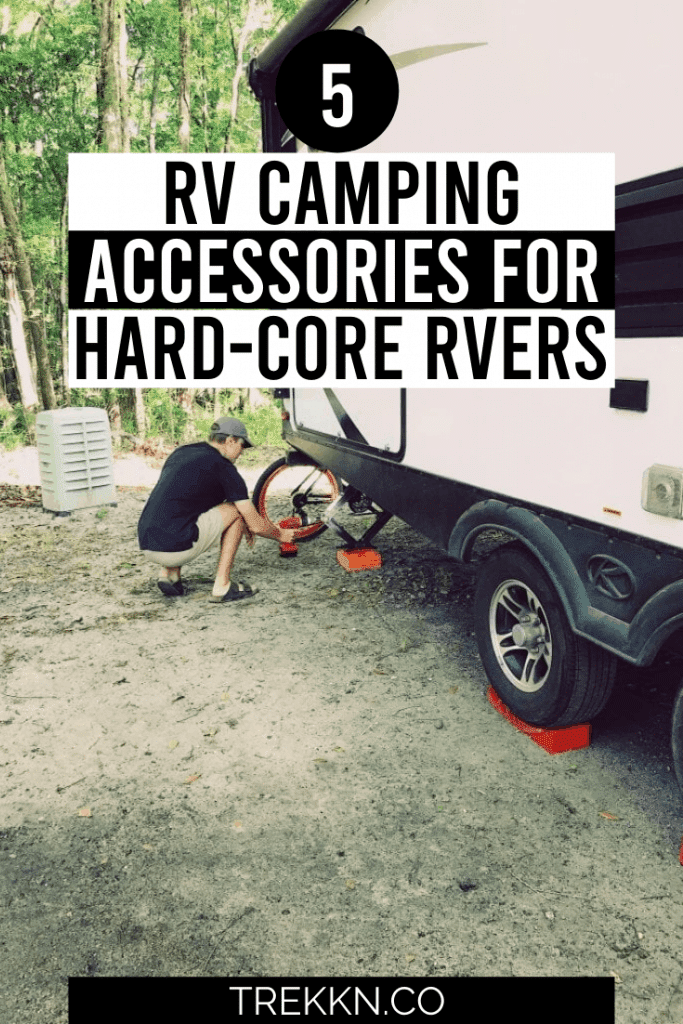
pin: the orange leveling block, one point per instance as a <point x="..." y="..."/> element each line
<point x="289" y="550"/>
<point x="554" y="741"/>
<point x="359" y="559"/>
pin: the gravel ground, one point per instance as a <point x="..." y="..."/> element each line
<point x="311" y="783"/>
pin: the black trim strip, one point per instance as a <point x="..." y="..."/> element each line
<point x="674" y="331"/>
<point x="653" y="186"/>
<point x="452" y="514"/>
<point x="314" y="16"/>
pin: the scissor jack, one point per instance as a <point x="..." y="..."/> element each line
<point x="358" y="554"/>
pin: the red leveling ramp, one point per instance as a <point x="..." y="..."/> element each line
<point x="359" y="559"/>
<point x="291" y="523"/>
<point x="554" y="741"/>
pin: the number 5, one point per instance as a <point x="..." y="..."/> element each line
<point x="343" y="90"/>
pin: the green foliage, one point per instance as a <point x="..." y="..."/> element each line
<point x="165" y="417"/>
<point x="88" y="398"/>
<point x="50" y="97"/>
<point x="264" y="425"/>
<point x="14" y="427"/>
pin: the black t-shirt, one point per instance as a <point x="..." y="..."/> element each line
<point x="193" y="479"/>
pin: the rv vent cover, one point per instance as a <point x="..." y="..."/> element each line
<point x="76" y="461"/>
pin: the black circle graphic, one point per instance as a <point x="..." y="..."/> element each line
<point x="336" y="91"/>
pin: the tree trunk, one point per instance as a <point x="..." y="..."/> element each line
<point x="216" y="403"/>
<point x="123" y="77"/>
<point x="186" y="403"/>
<point x="25" y="383"/>
<point x="205" y="113"/>
<point x="153" y="108"/>
<point x="140" y="415"/>
<point x="114" y="410"/>
<point x="5" y="403"/>
<point x="237" y="399"/>
<point x="184" y="90"/>
<point x="28" y="294"/>
<point x="256" y="398"/>
<point x="113" y="77"/>
<point x="5" y="346"/>
<point x="63" y="301"/>
<point x="248" y="26"/>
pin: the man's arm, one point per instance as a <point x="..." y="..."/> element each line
<point x="261" y="527"/>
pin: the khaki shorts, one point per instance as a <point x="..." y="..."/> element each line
<point x="210" y="526"/>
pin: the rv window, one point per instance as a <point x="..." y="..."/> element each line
<point x="648" y="244"/>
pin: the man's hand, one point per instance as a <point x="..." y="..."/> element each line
<point x="256" y="524"/>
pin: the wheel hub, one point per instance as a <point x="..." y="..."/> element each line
<point x="528" y="632"/>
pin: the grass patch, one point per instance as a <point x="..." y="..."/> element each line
<point x="166" y="419"/>
<point x="15" y="427"/>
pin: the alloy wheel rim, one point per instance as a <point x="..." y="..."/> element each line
<point x="520" y="635"/>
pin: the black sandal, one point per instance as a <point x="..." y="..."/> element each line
<point x="235" y="592"/>
<point x="169" y="589"/>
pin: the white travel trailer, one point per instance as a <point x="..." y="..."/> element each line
<point x="588" y="483"/>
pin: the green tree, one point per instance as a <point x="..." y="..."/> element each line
<point x="105" y="75"/>
<point x="22" y="268"/>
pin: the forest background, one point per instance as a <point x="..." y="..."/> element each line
<point x="110" y="76"/>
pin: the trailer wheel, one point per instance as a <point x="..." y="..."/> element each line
<point x="304" y="491"/>
<point x="677" y="736"/>
<point x="545" y="674"/>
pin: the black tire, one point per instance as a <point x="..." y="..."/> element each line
<point x="305" y="491"/>
<point x="545" y="674"/>
<point x="677" y="736"/>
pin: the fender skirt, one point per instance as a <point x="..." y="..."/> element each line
<point x="636" y="641"/>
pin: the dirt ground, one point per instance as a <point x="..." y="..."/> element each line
<point x="311" y="783"/>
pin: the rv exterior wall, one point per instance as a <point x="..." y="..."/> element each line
<point x="550" y="77"/>
<point x="562" y="450"/>
<point x="573" y="77"/>
<point x="562" y="470"/>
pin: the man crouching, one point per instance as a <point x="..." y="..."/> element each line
<point x="199" y="501"/>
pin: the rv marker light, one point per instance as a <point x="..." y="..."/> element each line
<point x="662" y="491"/>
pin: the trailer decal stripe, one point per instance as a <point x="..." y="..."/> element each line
<point x="408" y="57"/>
<point x="345" y="421"/>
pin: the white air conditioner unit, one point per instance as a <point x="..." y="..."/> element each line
<point x="76" y="460"/>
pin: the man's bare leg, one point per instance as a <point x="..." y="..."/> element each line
<point x="170" y="573"/>
<point x="169" y="582"/>
<point x="230" y="542"/>
<point x="232" y="520"/>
